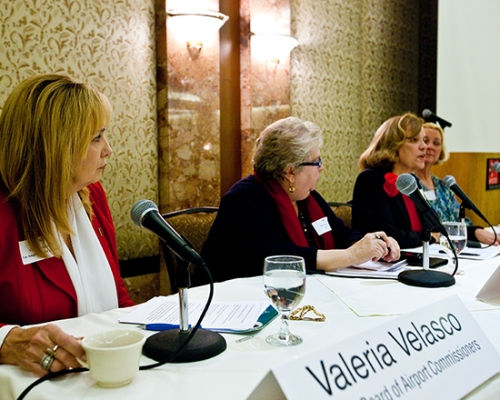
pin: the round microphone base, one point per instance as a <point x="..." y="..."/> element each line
<point x="204" y="344"/>
<point x="426" y="278"/>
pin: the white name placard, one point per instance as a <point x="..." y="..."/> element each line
<point x="436" y="352"/>
<point x="491" y="288"/>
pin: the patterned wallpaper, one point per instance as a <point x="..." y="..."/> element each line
<point x="109" y="44"/>
<point x="356" y="65"/>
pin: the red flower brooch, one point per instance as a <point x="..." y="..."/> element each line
<point x="390" y="184"/>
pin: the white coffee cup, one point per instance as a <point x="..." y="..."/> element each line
<point x="113" y="356"/>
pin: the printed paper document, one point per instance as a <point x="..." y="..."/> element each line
<point x="222" y="316"/>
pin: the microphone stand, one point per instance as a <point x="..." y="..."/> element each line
<point x="425" y="254"/>
<point x="183" y="284"/>
<point x="203" y="344"/>
<point x="461" y="213"/>
<point x="426" y="277"/>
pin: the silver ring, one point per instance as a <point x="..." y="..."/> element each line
<point x="46" y="361"/>
<point x="378" y="236"/>
<point x="52" y="352"/>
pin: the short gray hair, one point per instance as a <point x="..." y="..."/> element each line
<point x="286" y="142"/>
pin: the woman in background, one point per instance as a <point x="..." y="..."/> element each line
<point x="398" y="147"/>
<point x="278" y="211"/>
<point x="57" y="239"/>
<point x="440" y="197"/>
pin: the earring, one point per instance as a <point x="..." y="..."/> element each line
<point x="291" y="188"/>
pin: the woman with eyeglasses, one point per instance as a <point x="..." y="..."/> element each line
<point x="276" y="210"/>
<point x="398" y="147"/>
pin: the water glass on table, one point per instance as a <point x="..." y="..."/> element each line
<point x="457" y="233"/>
<point x="284" y="285"/>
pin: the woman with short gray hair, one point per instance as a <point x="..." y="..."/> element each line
<point x="277" y="210"/>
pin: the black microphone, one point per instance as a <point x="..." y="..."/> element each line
<point x="450" y="182"/>
<point x="495" y="166"/>
<point x="145" y="213"/>
<point x="407" y="184"/>
<point x="430" y="116"/>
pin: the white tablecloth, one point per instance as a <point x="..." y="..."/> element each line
<point x="371" y="297"/>
<point x="236" y="372"/>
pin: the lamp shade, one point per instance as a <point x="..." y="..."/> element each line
<point x="272" y="46"/>
<point x="194" y="26"/>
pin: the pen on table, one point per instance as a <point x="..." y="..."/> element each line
<point x="245" y="339"/>
<point x="161" y="327"/>
<point x="462" y="254"/>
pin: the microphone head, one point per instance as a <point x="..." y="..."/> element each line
<point x="449" y="181"/>
<point x="427" y="113"/>
<point x="406" y="184"/>
<point x="496" y="166"/>
<point x="140" y="208"/>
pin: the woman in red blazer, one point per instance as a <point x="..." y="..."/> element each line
<point x="57" y="239"/>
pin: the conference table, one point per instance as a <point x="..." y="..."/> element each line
<point x="351" y="306"/>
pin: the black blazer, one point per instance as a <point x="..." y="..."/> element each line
<point x="373" y="210"/>
<point x="248" y="228"/>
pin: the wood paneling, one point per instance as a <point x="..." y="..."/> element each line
<point x="230" y="101"/>
<point x="469" y="170"/>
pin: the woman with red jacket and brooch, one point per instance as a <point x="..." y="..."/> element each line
<point x="398" y="147"/>
<point x="57" y="239"/>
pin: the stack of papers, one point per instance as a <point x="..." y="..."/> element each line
<point x="222" y="316"/>
<point x="372" y="269"/>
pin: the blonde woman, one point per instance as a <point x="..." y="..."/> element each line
<point x="440" y="197"/>
<point x="57" y="239"/>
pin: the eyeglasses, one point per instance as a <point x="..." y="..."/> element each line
<point x="318" y="163"/>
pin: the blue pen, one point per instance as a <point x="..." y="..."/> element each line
<point x="161" y="327"/>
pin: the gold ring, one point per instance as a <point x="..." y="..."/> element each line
<point x="52" y="352"/>
<point x="46" y="361"/>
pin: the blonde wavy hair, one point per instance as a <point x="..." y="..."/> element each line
<point x="46" y="127"/>
<point x="382" y="153"/>
<point x="286" y="142"/>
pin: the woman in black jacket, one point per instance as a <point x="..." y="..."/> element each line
<point x="398" y="147"/>
<point x="277" y="211"/>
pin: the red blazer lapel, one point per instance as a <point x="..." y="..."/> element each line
<point x="55" y="271"/>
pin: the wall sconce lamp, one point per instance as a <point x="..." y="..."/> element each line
<point x="195" y="25"/>
<point x="272" y="46"/>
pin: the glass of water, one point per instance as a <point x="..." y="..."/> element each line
<point x="284" y="285"/>
<point x="457" y="232"/>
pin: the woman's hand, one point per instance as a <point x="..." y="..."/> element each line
<point x="394" y="252"/>
<point x="487" y="237"/>
<point x="373" y="246"/>
<point x="27" y="347"/>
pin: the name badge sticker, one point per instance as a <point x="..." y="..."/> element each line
<point x="28" y="256"/>
<point x="429" y="195"/>
<point x="321" y="226"/>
